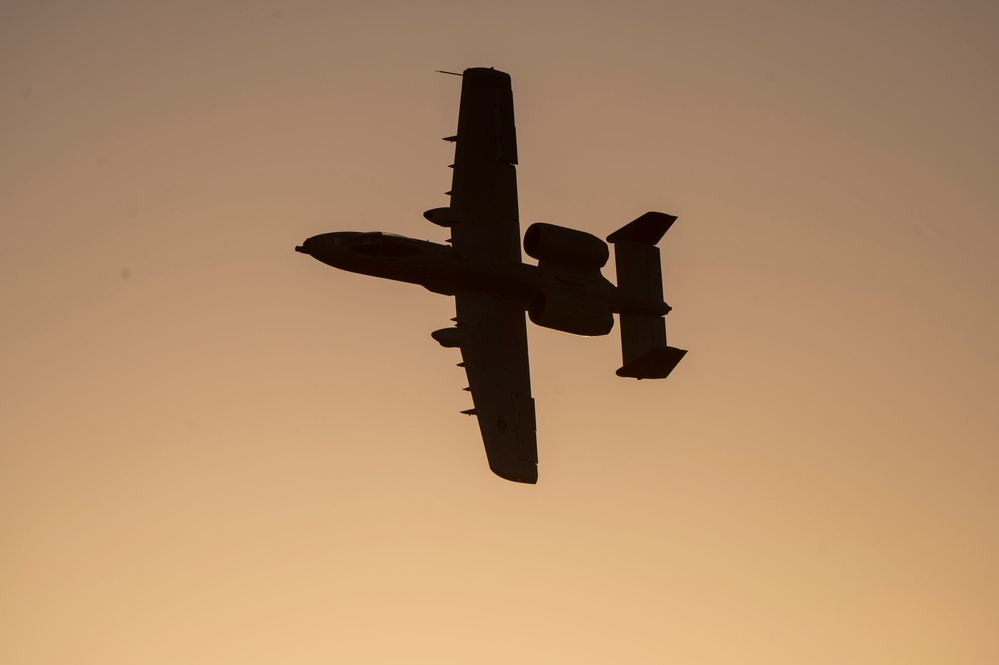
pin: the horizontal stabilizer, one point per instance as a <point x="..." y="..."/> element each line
<point x="655" y="364"/>
<point x="647" y="229"/>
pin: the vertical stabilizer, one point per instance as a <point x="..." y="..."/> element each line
<point x="639" y="274"/>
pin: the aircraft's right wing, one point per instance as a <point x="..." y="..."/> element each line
<point x="493" y="341"/>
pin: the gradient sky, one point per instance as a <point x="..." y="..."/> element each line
<point x="216" y="450"/>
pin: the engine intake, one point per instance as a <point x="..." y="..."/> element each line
<point x="566" y="247"/>
<point x="570" y="313"/>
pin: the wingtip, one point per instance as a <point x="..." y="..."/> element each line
<point x="527" y="476"/>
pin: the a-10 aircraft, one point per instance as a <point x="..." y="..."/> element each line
<point x="493" y="288"/>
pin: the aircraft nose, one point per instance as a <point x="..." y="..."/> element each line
<point x="304" y="247"/>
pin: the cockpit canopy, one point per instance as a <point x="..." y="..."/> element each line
<point x="376" y="243"/>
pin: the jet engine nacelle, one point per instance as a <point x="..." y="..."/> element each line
<point x="570" y="313"/>
<point x="566" y="247"/>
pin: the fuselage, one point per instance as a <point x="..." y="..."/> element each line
<point x="442" y="269"/>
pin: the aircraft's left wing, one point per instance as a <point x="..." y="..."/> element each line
<point x="493" y="341"/>
<point x="484" y="185"/>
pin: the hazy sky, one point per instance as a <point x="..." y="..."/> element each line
<point x="216" y="450"/>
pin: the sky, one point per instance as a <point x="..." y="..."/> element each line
<point x="216" y="450"/>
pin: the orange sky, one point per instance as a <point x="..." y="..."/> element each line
<point x="213" y="449"/>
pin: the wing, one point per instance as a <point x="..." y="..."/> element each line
<point x="493" y="341"/>
<point x="484" y="185"/>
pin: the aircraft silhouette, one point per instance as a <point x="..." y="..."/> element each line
<point x="492" y="287"/>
